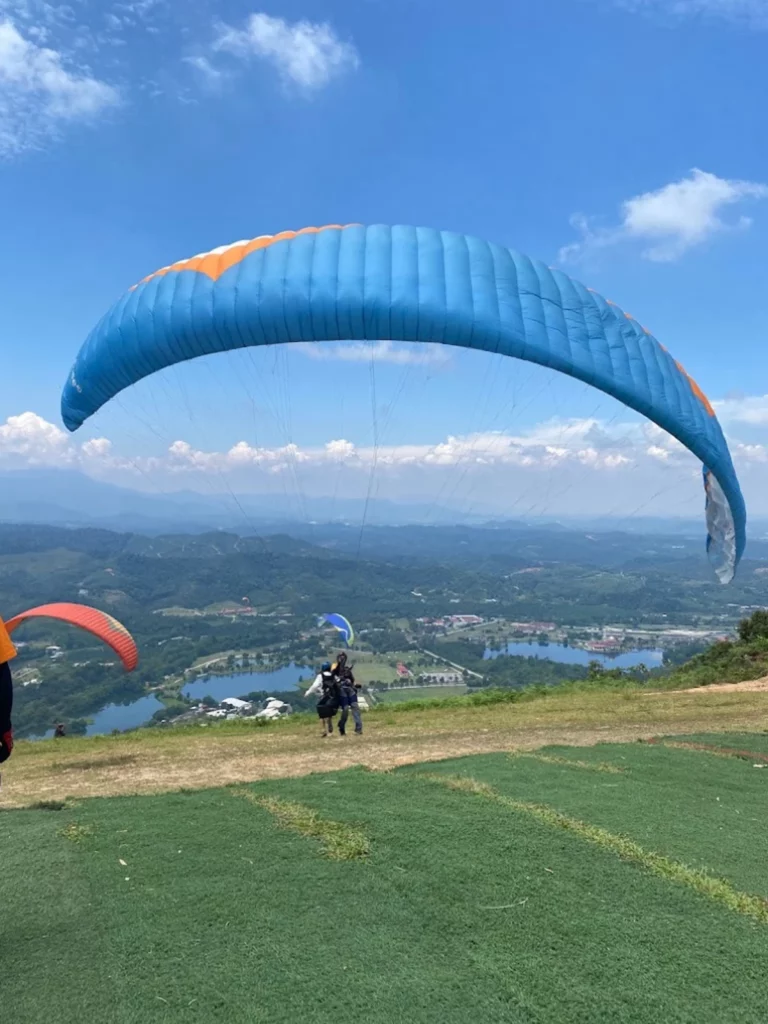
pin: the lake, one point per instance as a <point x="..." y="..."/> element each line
<point x="285" y="679"/>
<point x="577" y="656"/>
<point x="131" y="716"/>
<point x="281" y="680"/>
<point x="123" y="716"/>
<point x="118" y="716"/>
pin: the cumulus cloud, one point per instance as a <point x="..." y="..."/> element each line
<point x="601" y="464"/>
<point x="30" y="439"/>
<point x="671" y="220"/>
<point x="97" y="448"/>
<point x="584" y="441"/>
<point x="40" y="92"/>
<point x="46" y="85"/>
<point x="417" y="354"/>
<point x="752" y="410"/>
<point x="574" y="442"/>
<point x="30" y="435"/>
<point x="305" y="54"/>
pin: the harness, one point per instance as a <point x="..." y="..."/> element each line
<point x="331" y="689"/>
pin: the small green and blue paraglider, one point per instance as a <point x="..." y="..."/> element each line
<point x="341" y="625"/>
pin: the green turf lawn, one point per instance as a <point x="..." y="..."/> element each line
<point x="464" y="911"/>
<point x="702" y="810"/>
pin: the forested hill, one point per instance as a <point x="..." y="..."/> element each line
<point x="498" y="547"/>
<point x="17" y="539"/>
<point x="290" y="581"/>
<point x="406" y="575"/>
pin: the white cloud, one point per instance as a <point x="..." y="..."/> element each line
<point x="39" y="92"/>
<point x="88" y="25"/>
<point x="753" y="13"/>
<point x="97" y="448"/>
<point x="744" y="454"/>
<point x="211" y="75"/>
<point x="673" y="219"/>
<point x="417" y="354"/>
<point x="339" y="451"/>
<point x="182" y="456"/>
<point x="601" y="464"/>
<point x="750" y="409"/>
<point x="306" y="54"/>
<point x="139" y="10"/>
<point x="39" y="17"/>
<point x="30" y="435"/>
<point x="585" y="441"/>
<point x="474" y="449"/>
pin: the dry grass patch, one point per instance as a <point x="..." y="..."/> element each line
<point x="163" y="760"/>
<point x="76" y="833"/>
<point x="565" y="762"/>
<point x="338" y="840"/>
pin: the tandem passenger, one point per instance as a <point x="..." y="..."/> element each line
<point x="327" y="685"/>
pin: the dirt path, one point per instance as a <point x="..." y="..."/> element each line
<point x="750" y="686"/>
<point x="157" y="760"/>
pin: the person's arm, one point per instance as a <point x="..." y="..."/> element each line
<point x="316" y="687"/>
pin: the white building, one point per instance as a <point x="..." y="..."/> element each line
<point x="447" y="678"/>
<point x="236" y="704"/>
<point x="275" y="708"/>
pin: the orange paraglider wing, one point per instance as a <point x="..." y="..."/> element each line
<point x="112" y="632"/>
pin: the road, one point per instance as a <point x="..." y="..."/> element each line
<point x="453" y="664"/>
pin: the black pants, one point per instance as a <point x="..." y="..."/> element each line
<point x="6" y="706"/>
<point x="349" y="703"/>
<point x="6" y="697"/>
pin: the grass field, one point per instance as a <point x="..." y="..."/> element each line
<point x="370" y="667"/>
<point x="419" y="693"/>
<point x="156" y="760"/>
<point x="611" y="883"/>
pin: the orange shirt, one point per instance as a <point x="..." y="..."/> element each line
<point x="7" y="650"/>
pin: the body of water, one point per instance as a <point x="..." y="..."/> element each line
<point x="282" y="680"/>
<point x="117" y="716"/>
<point x="285" y="679"/>
<point x="131" y="716"/>
<point x="123" y="716"/>
<point x="577" y="656"/>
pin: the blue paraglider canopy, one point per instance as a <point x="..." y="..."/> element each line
<point x="342" y="625"/>
<point x="406" y="284"/>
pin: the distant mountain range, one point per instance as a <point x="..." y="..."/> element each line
<point x="68" y="498"/>
<point x="64" y="497"/>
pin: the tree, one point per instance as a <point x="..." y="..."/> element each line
<point x="755" y="627"/>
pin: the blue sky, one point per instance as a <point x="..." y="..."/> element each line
<point x="622" y="139"/>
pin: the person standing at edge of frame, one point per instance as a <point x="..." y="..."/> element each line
<point x="7" y="654"/>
